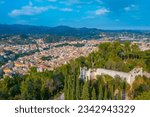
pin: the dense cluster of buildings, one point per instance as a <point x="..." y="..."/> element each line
<point x="58" y="56"/>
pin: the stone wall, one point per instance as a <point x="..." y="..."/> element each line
<point x="92" y="73"/>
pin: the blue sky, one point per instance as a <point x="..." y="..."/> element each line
<point x="103" y="14"/>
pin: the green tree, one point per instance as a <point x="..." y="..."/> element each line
<point x="85" y="91"/>
<point x="70" y="90"/>
<point x="112" y="92"/>
<point x="120" y="95"/>
<point x="45" y="94"/>
<point x="93" y="94"/>
<point x="100" y="95"/>
<point x="144" y="96"/>
<point x="27" y="90"/>
<point x="66" y="88"/>
<point x="105" y="94"/>
<point x="77" y="89"/>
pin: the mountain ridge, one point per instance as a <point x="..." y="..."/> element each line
<point x="33" y="29"/>
<point x="63" y="31"/>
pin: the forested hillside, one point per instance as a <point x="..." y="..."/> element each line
<point x="114" y="56"/>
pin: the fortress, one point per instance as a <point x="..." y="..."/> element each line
<point x="92" y="73"/>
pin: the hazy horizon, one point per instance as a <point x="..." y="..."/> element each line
<point x="115" y="29"/>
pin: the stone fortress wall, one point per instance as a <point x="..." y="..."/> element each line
<point x="92" y="73"/>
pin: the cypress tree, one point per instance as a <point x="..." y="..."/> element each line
<point x="27" y="89"/>
<point x="112" y="92"/>
<point x="85" y="91"/>
<point x="70" y="89"/>
<point x="100" y="95"/>
<point x="124" y="91"/>
<point x="93" y="94"/>
<point x="66" y="88"/>
<point x="73" y="87"/>
<point x="44" y="92"/>
<point x="105" y="94"/>
<point x="120" y="95"/>
<point x="77" y="89"/>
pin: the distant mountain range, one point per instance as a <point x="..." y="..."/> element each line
<point x="58" y="31"/>
<point x="30" y="29"/>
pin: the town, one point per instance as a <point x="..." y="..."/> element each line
<point x="18" y="59"/>
<point x="54" y="56"/>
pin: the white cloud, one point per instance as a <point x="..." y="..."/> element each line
<point x="28" y="10"/>
<point x="34" y="10"/>
<point x="129" y="8"/>
<point x="101" y="11"/>
<point x="52" y="7"/>
<point x="133" y="5"/>
<point x="99" y="1"/>
<point x="74" y="2"/>
<point x="66" y="9"/>
<point x="96" y="13"/>
<point x="88" y="17"/>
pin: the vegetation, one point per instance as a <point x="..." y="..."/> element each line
<point x="39" y="86"/>
<point x="67" y="44"/>
<point x="44" y="58"/>
<point x="114" y="56"/>
<point x="144" y="96"/>
<point x="141" y="88"/>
